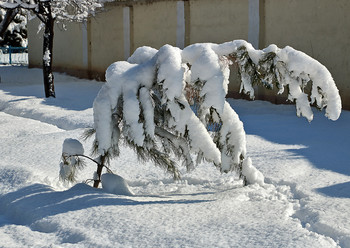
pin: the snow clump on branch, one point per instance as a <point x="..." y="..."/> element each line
<point x="71" y="148"/>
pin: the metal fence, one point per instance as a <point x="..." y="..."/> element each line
<point x="14" y="55"/>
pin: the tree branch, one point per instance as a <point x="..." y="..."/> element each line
<point x="93" y="160"/>
<point x="179" y="142"/>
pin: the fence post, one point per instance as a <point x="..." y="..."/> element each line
<point x="10" y="51"/>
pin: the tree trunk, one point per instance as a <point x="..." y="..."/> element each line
<point x="99" y="171"/>
<point x="48" y="55"/>
<point x="10" y="14"/>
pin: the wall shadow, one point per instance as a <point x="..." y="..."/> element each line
<point x="71" y="93"/>
<point x="341" y="190"/>
<point x="327" y="142"/>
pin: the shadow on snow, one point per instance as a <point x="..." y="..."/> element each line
<point x="77" y="96"/>
<point x="38" y="201"/>
<point x="341" y="190"/>
<point x="327" y="142"/>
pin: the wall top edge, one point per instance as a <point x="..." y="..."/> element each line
<point x="132" y="2"/>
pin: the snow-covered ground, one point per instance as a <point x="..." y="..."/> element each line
<point x="304" y="203"/>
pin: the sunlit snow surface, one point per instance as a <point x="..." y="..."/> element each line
<point x="305" y="203"/>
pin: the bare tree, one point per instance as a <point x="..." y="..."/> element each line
<point x="50" y="12"/>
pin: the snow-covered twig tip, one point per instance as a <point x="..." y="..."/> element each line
<point x="289" y="69"/>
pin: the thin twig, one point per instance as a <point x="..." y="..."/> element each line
<point x="84" y="156"/>
<point x="93" y="160"/>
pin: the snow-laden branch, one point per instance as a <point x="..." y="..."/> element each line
<point x="288" y="69"/>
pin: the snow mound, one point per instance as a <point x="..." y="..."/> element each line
<point x="115" y="184"/>
<point x="251" y="173"/>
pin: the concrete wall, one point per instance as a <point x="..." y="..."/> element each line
<point x="319" y="28"/>
<point x="35" y="44"/>
<point x="68" y="47"/>
<point x="105" y="37"/>
<point x="73" y="46"/>
<point x="223" y="21"/>
<point x="155" y="24"/>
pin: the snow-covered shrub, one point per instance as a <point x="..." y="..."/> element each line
<point x="145" y="102"/>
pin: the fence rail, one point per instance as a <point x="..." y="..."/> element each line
<point x="13" y="55"/>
